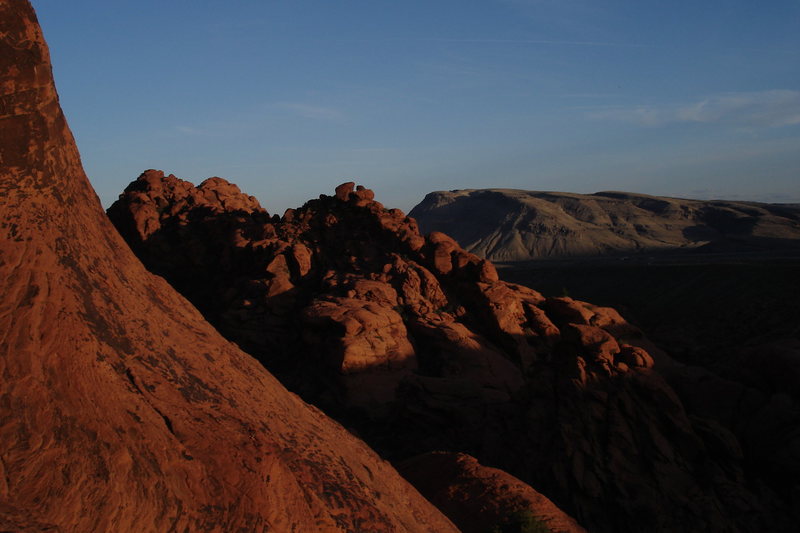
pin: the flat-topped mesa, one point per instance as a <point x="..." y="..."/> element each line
<point x="517" y="225"/>
<point x="418" y="346"/>
<point x="121" y="408"/>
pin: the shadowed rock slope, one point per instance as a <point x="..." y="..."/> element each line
<point x="416" y="345"/>
<point x="514" y="225"/>
<point x="479" y="499"/>
<point x="121" y="408"/>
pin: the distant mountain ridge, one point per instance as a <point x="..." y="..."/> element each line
<point x="515" y="225"/>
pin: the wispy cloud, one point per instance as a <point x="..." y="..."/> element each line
<point x="589" y="96"/>
<point x="457" y="40"/>
<point x="747" y="109"/>
<point x="554" y="42"/>
<point x="188" y="130"/>
<point x="253" y="119"/>
<point x="311" y="111"/>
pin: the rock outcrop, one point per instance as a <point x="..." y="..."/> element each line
<point x="479" y="499"/>
<point x="416" y="345"/>
<point x="514" y="225"/>
<point x="121" y="408"/>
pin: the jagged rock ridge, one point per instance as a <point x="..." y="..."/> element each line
<point x="515" y="225"/>
<point x="121" y="408"/>
<point x="416" y="345"/>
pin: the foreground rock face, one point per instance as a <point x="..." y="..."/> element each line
<point x="514" y="225"/>
<point x="416" y="345"/>
<point x="121" y="408"/>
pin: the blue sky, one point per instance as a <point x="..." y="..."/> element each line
<point x="289" y="98"/>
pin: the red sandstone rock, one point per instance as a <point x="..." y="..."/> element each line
<point x="362" y="196"/>
<point x="540" y="324"/>
<point x="463" y="354"/>
<point x="416" y="345"/>
<point x="552" y="390"/>
<point x="372" y="335"/>
<point x="122" y="409"/>
<point x="343" y="191"/>
<point x="442" y="247"/>
<point x="366" y="342"/>
<point x="488" y="273"/>
<point x="302" y="258"/>
<point x="634" y="356"/>
<point x="567" y="310"/>
<point x="595" y="341"/>
<point x="478" y="498"/>
<point x="420" y="290"/>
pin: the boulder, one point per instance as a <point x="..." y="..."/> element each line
<point x="479" y="498"/>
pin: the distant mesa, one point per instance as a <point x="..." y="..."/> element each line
<point x="517" y="225"/>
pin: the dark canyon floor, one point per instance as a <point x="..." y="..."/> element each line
<point x="697" y="306"/>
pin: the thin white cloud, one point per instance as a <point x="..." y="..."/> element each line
<point x="554" y="42"/>
<point x="746" y="109"/>
<point x="589" y="96"/>
<point x="480" y="40"/>
<point x="188" y="130"/>
<point x="311" y="111"/>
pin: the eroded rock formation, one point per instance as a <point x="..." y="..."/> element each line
<point x="415" y="344"/>
<point x="121" y="408"/>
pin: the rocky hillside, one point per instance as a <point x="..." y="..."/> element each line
<point x="514" y="225"/>
<point x="415" y="344"/>
<point x="121" y="408"/>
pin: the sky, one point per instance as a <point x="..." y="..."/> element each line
<point x="289" y="98"/>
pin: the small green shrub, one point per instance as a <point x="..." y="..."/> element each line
<point x="522" y="521"/>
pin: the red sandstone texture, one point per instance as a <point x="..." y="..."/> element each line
<point x="417" y="346"/>
<point x="121" y="408"/>
<point x="479" y="499"/>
